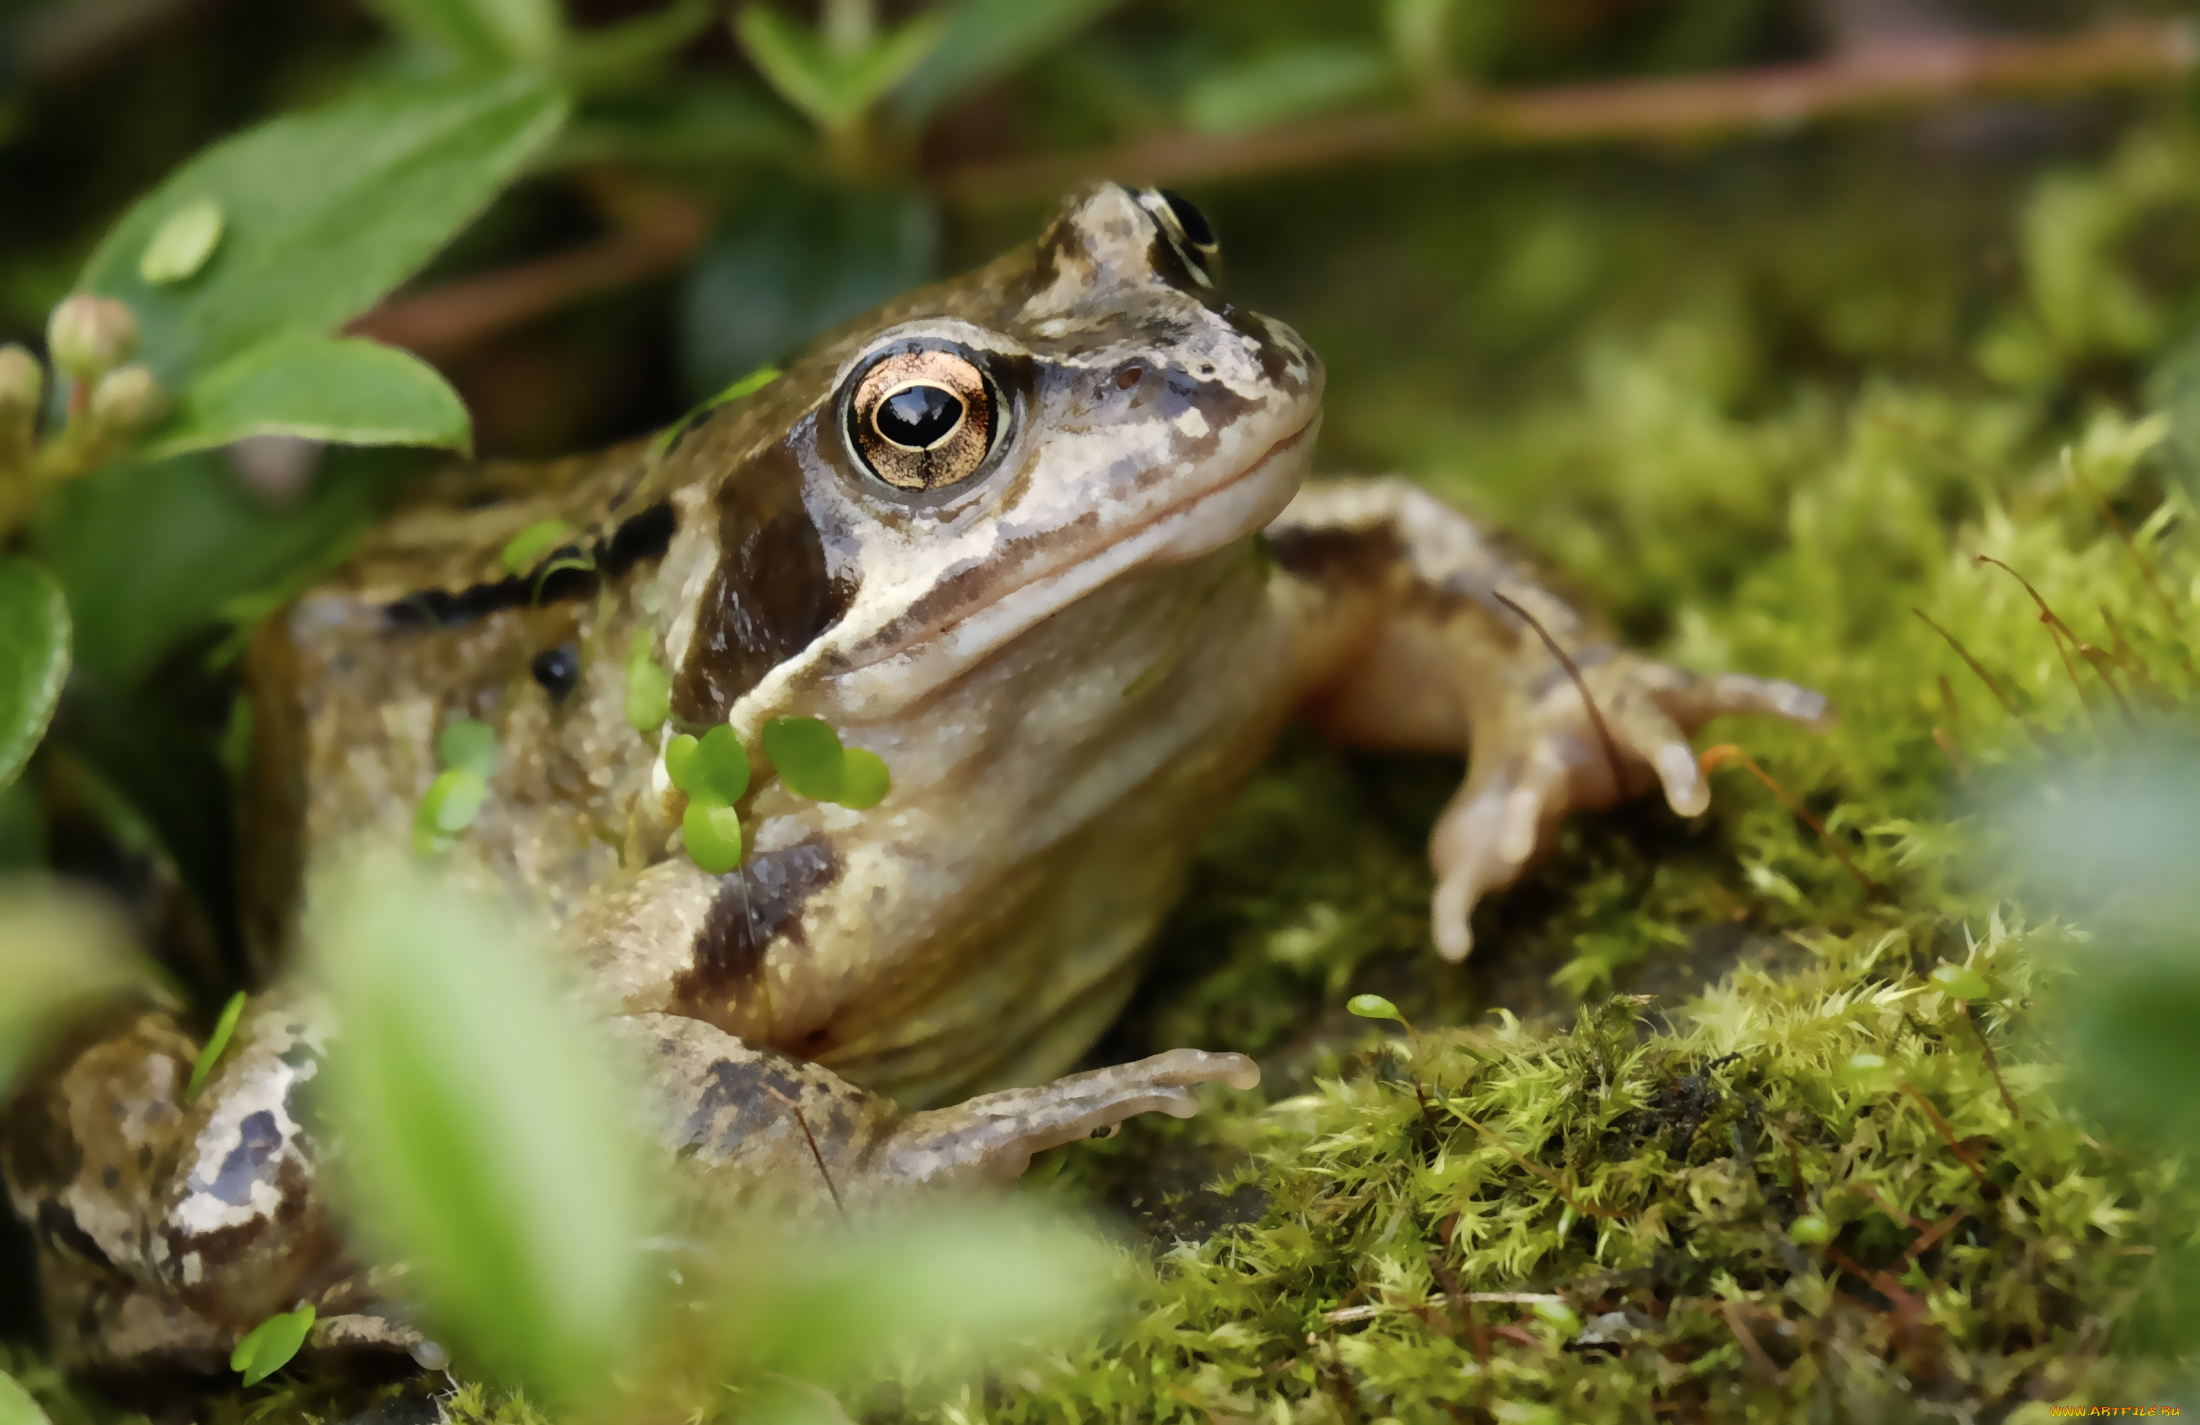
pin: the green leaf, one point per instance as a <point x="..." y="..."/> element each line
<point x="648" y="687"/>
<point x="806" y="752"/>
<point x="633" y="52"/>
<point x="1287" y="84"/>
<point x="182" y="244"/>
<point x="269" y="1346"/>
<point x="149" y="551"/>
<point x="680" y="758"/>
<point x="225" y="1028"/>
<point x="533" y="542"/>
<point x="720" y="768"/>
<point x="832" y="87"/>
<point x="324" y="213"/>
<point x="1373" y="1007"/>
<point x="468" y="745"/>
<point x="712" y="831"/>
<point x="1810" y="1230"/>
<point x="1865" y="1070"/>
<point x="34" y="659"/>
<point x="748" y="385"/>
<point x="1559" y="1314"/>
<point x="489" y="34"/>
<point x="485" y="1118"/>
<point x="452" y="802"/>
<point x="16" y="1405"/>
<point x="863" y="779"/>
<point x="1961" y="982"/>
<point x="60" y="951"/>
<point x="944" y="1287"/>
<point x="344" y="391"/>
<point x="987" y="38"/>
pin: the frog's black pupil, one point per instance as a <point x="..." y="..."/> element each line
<point x="557" y="669"/>
<point x="1189" y="218"/>
<point x="919" y="416"/>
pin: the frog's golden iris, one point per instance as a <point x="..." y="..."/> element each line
<point x="923" y="419"/>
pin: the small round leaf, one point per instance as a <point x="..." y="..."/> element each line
<point x="712" y="831"/>
<point x="680" y="761"/>
<point x="807" y="753"/>
<point x="450" y="806"/>
<point x="1864" y="1069"/>
<point x="1810" y="1230"/>
<point x="467" y="746"/>
<point x="181" y="245"/>
<point x="648" y="688"/>
<point x="863" y="779"/>
<point x="721" y="767"/>
<point x="1559" y="1314"/>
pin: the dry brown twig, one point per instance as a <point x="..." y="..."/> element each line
<point x="1876" y="79"/>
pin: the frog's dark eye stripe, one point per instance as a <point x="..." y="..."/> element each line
<point x="922" y="420"/>
<point x="1189" y="233"/>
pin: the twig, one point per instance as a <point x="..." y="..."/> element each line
<point x="1775" y="99"/>
<point x="1741" y="1331"/>
<point x="2057" y="630"/>
<point x="1581" y="686"/>
<point x="1993" y="687"/>
<point x="811" y="1138"/>
<point x="1344" y="1315"/>
<point x="1727" y="751"/>
<point x="2131" y="545"/>
<point x="1906" y="1219"/>
<point x="1993" y="1065"/>
<point x="1948" y="1136"/>
<point x="1933" y="1234"/>
<point x="654" y="233"/>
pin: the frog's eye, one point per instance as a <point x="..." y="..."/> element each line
<point x="1188" y="232"/>
<point x="922" y="420"/>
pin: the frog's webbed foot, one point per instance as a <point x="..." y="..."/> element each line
<point x="995" y="1135"/>
<point x="1538" y="754"/>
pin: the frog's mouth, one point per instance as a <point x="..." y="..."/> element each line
<point x="918" y="661"/>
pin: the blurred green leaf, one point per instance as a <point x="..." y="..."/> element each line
<point x="831" y="86"/>
<point x="269" y="1346"/>
<point x="148" y="551"/>
<point x="210" y="1054"/>
<point x="1285" y="84"/>
<point x="181" y="245"/>
<point x="1373" y="1007"/>
<point x="986" y="39"/>
<point x="485" y="1120"/>
<point x="1810" y="1230"/>
<point x="34" y="659"/>
<point x="533" y="542"/>
<point x="16" y="1405"/>
<point x="345" y="391"/>
<point x="325" y="212"/>
<point x="448" y="807"/>
<point x="469" y="745"/>
<point x="864" y="780"/>
<point x="792" y="262"/>
<point x="481" y="33"/>
<point x="60" y="951"/>
<point x="1961" y="982"/>
<point x="648" y="688"/>
<point x="684" y="120"/>
<point x="2174" y="389"/>
<point x="946" y="1289"/>
<point x="633" y="52"/>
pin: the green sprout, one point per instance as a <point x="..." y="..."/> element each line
<point x="467" y="750"/>
<point x="648" y="687"/>
<point x="225" y="1028"/>
<point x="269" y="1346"/>
<point x="714" y="772"/>
<point x="813" y="764"/>
<point x="1376" y="1007"/>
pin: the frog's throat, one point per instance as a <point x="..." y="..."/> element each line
<point x="1196" y="525"/>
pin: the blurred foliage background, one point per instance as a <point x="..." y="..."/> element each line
<point x="1758" y="318"/>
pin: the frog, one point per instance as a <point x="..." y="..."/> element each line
<point x="1042" y="538"/>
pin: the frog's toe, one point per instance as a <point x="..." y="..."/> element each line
<point x="1698" y="703"/>
<point x="995" y="1135"/>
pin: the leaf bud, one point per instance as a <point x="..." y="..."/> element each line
<point x="90" y="336"/>
<point x="128" y="400"/>
<point x="22" y="382"/>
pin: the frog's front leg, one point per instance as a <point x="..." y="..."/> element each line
<point x="1418" y="635"/>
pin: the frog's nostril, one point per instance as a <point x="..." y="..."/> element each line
<point x="1128" y="377"/>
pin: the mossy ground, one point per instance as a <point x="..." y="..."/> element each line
<point x="1762" y="455"/>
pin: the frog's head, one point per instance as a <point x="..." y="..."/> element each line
<point x="940" y="476"/>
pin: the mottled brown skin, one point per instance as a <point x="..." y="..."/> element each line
<point x="1069" y="652"/>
